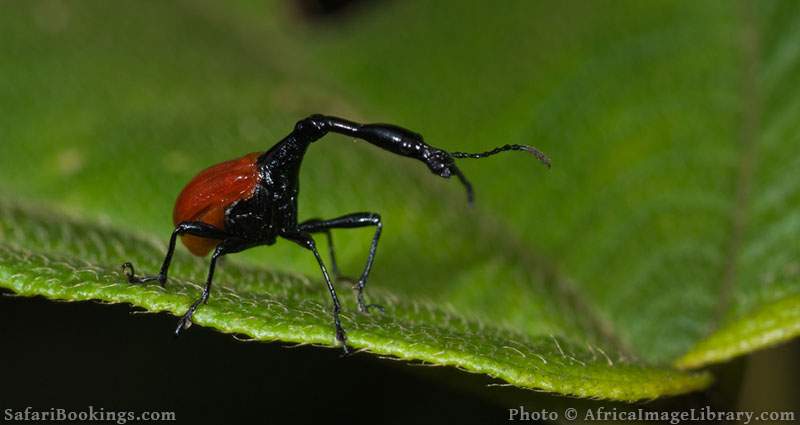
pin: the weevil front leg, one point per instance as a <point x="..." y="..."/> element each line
<point x="310" y="226"/>
<point x="195" y="228"/>
<point x="306" y="241"/>
<point x="351" y="221"/>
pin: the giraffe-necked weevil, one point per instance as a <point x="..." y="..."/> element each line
<point x="252" y="201"/>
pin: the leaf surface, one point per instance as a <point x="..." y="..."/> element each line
<point x="666" y="232"/>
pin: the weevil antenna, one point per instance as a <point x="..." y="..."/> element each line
<point x="466" y="183"/>
<point x="530" y="149"/>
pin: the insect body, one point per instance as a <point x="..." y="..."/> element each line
<point x="252" y="200"/>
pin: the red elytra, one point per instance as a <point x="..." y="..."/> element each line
<point x="206" y="197"/>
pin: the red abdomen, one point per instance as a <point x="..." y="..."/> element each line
<point x="210" y="193"/>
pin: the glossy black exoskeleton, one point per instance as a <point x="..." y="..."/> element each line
<point x="252" y="201"/>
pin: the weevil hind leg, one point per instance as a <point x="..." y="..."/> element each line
<point x="195" y="228"/>
<point x="186" y="320"/>
<point x="130" y="274"/>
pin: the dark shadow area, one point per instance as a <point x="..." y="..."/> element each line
<point x="72" y="355"/>
<point x="75" y="355"/>
<point x="330" y="9"/>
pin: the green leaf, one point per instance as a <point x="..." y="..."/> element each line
<point x="664" y="234"/>
<point x="270" y="306"/>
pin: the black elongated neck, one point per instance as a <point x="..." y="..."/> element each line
<point x="284" y="159"/>
<point x="288" y="153"/>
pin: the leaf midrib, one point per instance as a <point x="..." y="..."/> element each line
<point x="749" y="39"/>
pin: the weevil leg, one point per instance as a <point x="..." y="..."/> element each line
<point x="306" y="241"/>
<point x="186" y="320"/>
<point x="350" y="221"/>
<point x="310" y="226"/>
<point x="195" y="228"/>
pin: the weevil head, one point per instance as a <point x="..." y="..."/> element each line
<point x="442" y="164"/>
<point x="439" y="162"/>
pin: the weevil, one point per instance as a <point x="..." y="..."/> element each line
<point x="252" y="201"/>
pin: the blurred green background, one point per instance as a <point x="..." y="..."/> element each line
<point x="668" y="221"/>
